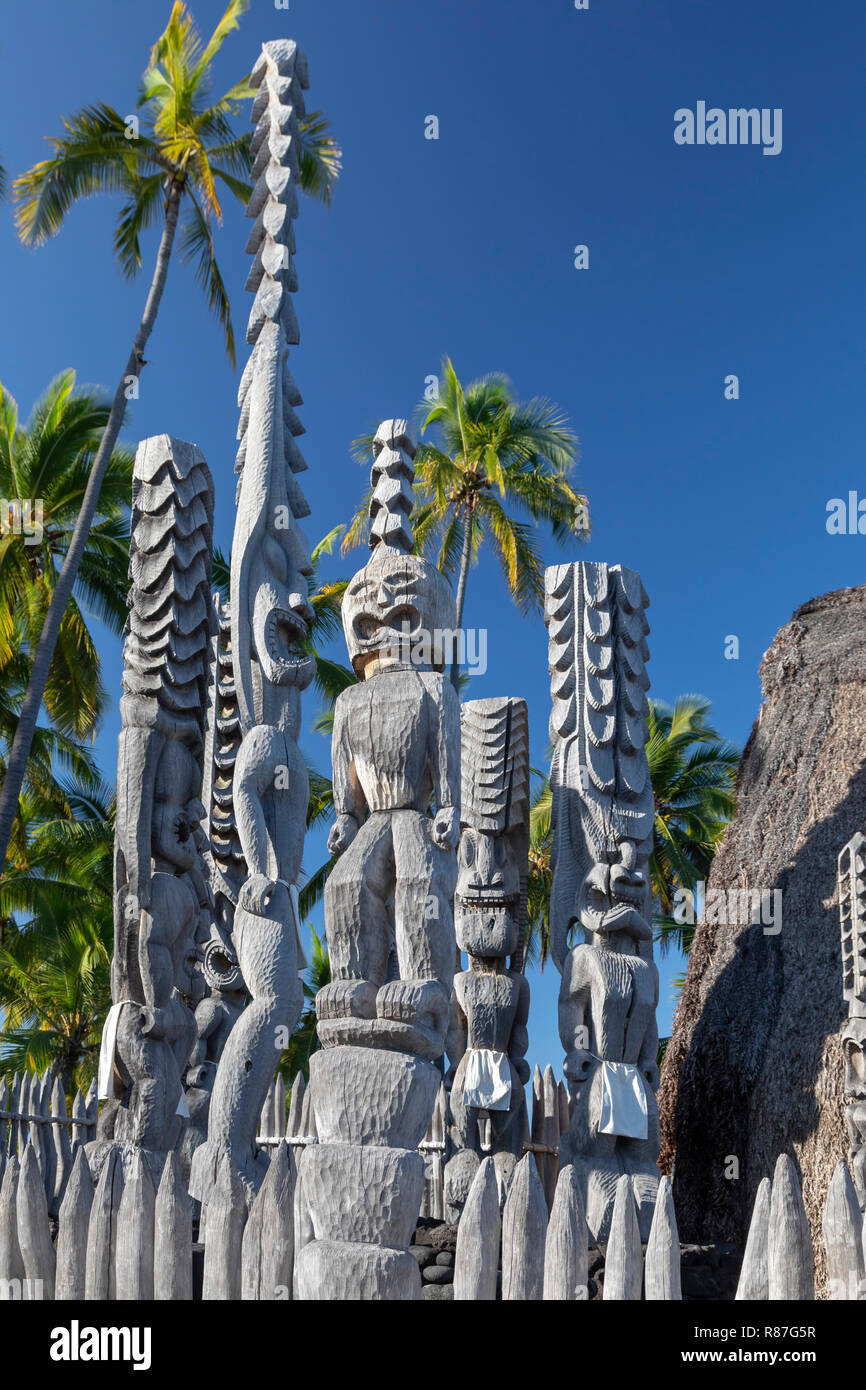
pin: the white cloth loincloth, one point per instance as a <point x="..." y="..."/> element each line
<point x="487" y="1080"/>
<point x="623" y="1101"/>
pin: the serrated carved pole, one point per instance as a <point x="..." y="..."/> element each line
<point x="162" y="902"/>
<point x="487" y="1033"/>
<point x="260" y="777"/>
<point x="852" y="912"/>
<point x="388" y="913"/>
<point x="602" y="817"/>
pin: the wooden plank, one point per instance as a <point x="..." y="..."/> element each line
<point x="279" y="1106"/>
<point x="73" y="1225"/>
<point x="226" y="1218"/>
<point x="623" y="1266"/>
<point x="172" y="1242"/>
<point x="11" y="1263"/>
<point x="662" y="1275"/>
<point x="790" y="1268"/>
<point x="34" y="1233"/>
<point x="753" y="1285"/>
<point x="843" y="1237"/>
<point x="62" y="1142"/>
<point x="566" y="1254"/>
<point x="267" y="1256"/>
<point x="79" y="1113"/>
<point x="92" y="1109"/>
<point x="133" y="1255"/>
<point x="24" y="1109"/>
<point x="477" y="1259"/>
<point x="524" y="1227"/>
<point x="100" y="1283"/>
<point x="4" y="1105"/>
<point x="296" y="1106"/>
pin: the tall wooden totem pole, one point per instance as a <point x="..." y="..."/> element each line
<point x="259" y="778"/>
<point x="603" y="832"/>
<point x="388" y="913"/>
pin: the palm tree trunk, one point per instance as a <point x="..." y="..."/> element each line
<point x="20" y="752"/>
<point x="465" y="557"/>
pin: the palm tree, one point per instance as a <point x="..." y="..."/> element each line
<point x="692" y="773"/>
<point x="184" y="146"/>
<point x="493" y="450"/>
<point x="44" y="465"/>
<point x="55" y="954"/>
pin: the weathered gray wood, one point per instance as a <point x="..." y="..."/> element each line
<point x="602" y="827"/>
<point x="623" y="1267"/>
<point x="296" y="1105"/>
<point x="790" y="1268"/>
<point x="753" y="1285"/>
<point x="477" y="1258"/>
<point x="843" y="1237"/>
<point x="34" y="1234"/>
<point x="91" y="1102"/>
<point x="279" y="1106"/>
<point x="73" y="1226"/>
<point x="564" y="1113"/>
<point x="100" y="1282"/>
<point x="60" y="1134"/>
<point x="14" y="1106"/>
<point x="662" y="1274"/>
<point x="226" y="1219"/>
<point x="11" y="1263"/>
<point x="172" y="1241"/>
<point x="4" y="1106"/>
<point x="80" y="1131"/>
<point x="308" y="1117"/>
<point x="550" y="1130"/>
<point x="524" y="1228"/>
<point x="268" y="1243"/>
<point x="24" y="1109"/>
<point x="134" y="1243"/>
<point x="266" y="1117"/>
<point x="566" y="1261"/>
<point x="45" y="1140"/>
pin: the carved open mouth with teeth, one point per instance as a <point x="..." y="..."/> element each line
<point x="481" y="902"/>
<point x="389" y="628"/>
<point x="285" y="634"/>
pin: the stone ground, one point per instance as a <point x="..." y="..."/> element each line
<point x="709" y="1272"/>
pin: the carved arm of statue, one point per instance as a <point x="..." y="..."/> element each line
<point x="349" y="803"/>
<point x="444" y="757"/>
<point x="519" y="1043"/>
<point x="575" y="1003"/>
<point x="648" y="1060"/>
<point x="457" y="1037"/>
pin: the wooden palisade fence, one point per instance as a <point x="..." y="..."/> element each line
<point x="64" y="1237"/>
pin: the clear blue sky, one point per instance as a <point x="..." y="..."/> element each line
<point x="556" y="128"/>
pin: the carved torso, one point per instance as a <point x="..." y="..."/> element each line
<point x="618" y="994"/>
<point x="489" y="1000"/>
<point x="389" y="730"/>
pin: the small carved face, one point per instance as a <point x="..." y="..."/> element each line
<point x="177" y="810"/>
<point x="395" y="604"/>
<point x="488" y="894"/>
<point x="615" y="898"/>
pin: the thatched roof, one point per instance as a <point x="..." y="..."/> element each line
<point x="754" y="1064"/>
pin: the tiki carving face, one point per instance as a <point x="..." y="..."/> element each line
<point x="613" y="899"/>
<point x="397" y="608"/>
<point x="488" y="894"/>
